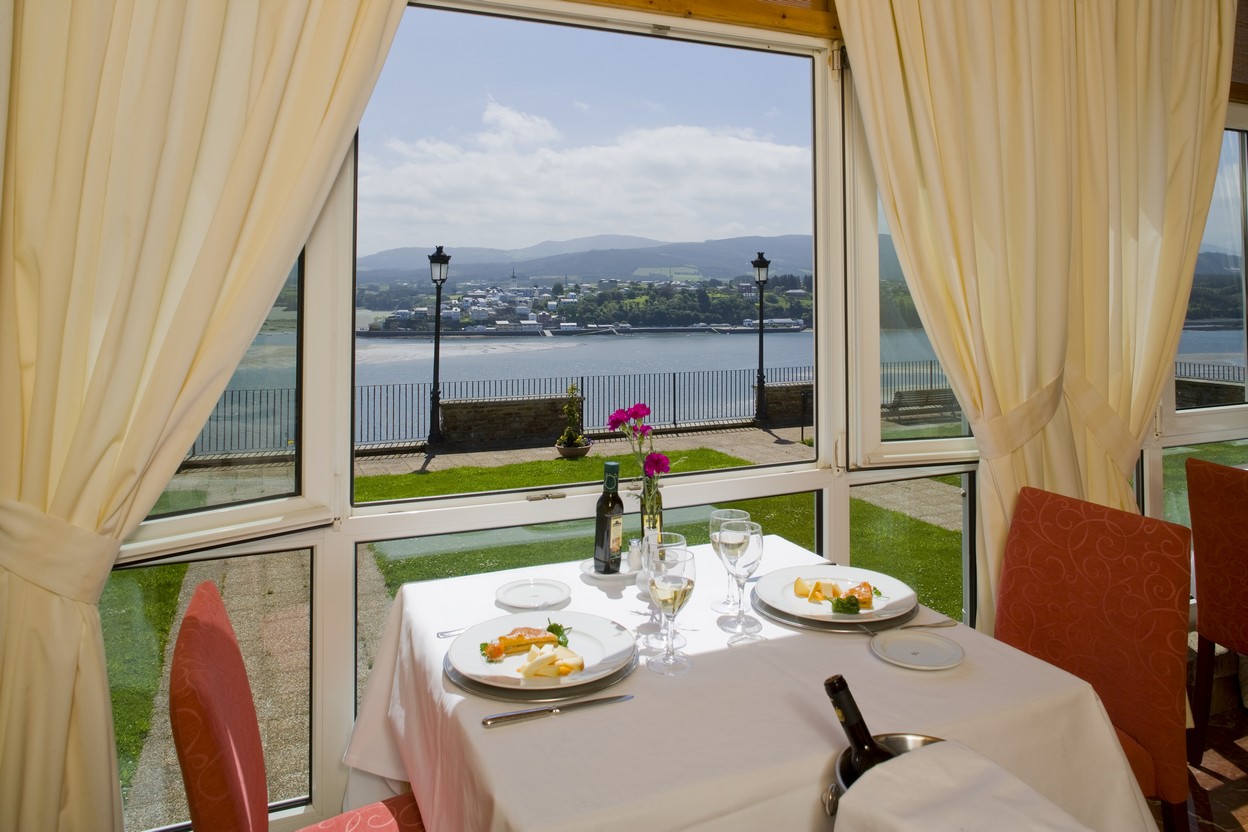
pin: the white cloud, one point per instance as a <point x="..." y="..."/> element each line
<point x="506" y="127"/>
<point x="514" y="185"/>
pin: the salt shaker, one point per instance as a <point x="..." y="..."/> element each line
<point x="634" y="555"/>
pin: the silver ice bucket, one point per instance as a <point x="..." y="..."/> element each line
<point x="898" y="743"/>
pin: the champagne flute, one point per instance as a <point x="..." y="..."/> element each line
<point x="732" y="602"/>
<point x="658" y="542"/>
<point x="671" y="575"/>
<point x="741" y="550"/>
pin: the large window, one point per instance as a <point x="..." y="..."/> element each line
<point x="602" y="196"/>
<point x="1209" y="369"/>
<point x="248" y="449"/>
<point x="587" y="185"/>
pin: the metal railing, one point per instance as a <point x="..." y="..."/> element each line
<point x="265" y="421"/>
<point x="1197" y="371"/>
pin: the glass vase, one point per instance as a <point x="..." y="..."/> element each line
<point x="651" y="507"/>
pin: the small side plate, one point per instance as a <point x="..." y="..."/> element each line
<point x="917" y="650"/>
<point x="533" y="594"/>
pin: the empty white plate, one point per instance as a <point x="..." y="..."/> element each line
<point x="533" y="593"/>
<point x="917" y="650"/>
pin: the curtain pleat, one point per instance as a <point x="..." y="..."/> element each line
<point x="163" y="164"/>
<point x="1045" y="169"/>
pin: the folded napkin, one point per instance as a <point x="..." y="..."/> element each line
<point x="942" y="787"/>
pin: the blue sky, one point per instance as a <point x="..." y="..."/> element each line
<point x="492" y="132"/>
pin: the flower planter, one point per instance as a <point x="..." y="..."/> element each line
<point x="574" y="451"/>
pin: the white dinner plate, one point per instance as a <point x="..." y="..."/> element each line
<point x="604" y="645"/>
<point x="776" y="588"/>
<point x="621" y="577"/>
<point x="917" y="650"/>
<point x="533" y="593"/>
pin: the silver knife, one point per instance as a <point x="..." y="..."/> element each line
<point x="562" y="707"/>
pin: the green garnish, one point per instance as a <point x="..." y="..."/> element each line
<point x="846" y="605"/>
<point x="560" y="631"/>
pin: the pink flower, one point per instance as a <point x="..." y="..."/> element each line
<point x="656" y="464"/>
<point x="640" y="436"/>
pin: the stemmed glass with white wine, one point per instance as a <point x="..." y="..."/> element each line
<point x="658" y="542"/>
<point x="671" y="574"/>
<point x="732" y="602"/>
<point x="741" y="549"/>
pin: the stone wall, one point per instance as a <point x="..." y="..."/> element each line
<point x="502" y="423"/>
<point x="790" y="403"/>
<point x="1190" y="392"/>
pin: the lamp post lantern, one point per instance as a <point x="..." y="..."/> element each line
<point x="439" y="265"/>
<point x="760" y="265"/>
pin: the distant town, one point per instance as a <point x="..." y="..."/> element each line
<point x="588" y="307"/>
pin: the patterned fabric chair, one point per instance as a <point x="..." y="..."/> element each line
<point x="1217" y="496"/>
<point x="217" y="736"/>
<point x="1103" y="594"/>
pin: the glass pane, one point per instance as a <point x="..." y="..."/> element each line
<point x="268" y="599"/>
<point x="384" y="566"/>
<point x="601" y="227"/>
<point x="1209" y="368"/>
<point x="912" y="530"/>
<point x="916" y="401"/>
<point x="1174" y="474"/>
<point x="248" y="448"/>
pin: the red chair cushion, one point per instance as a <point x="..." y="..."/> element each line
<point x="1103" y="594"/>
<point x="395" y="814"/>
<point x="1218" y="498"/>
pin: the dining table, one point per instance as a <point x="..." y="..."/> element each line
<point x="745" y="740"/>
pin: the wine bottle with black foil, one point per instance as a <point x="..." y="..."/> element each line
<point x="609" y="522"/>
<point x="864" y="751"/>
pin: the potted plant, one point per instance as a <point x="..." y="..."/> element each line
<point x="572" y="443"/>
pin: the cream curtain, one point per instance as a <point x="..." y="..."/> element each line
<point x="163" y="163"/>
<point x="1045" y="169"/>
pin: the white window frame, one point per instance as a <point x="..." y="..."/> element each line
<point x="866" y="448"/>
<point x="1195" y="426"/>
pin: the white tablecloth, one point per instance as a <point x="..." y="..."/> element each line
<point x="746" y="740"/>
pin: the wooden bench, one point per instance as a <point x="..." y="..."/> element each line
<point x="936" y="403"/>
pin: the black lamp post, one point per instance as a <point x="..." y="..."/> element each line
<point x="439" y="265"/>
<point x="760" y="265"/>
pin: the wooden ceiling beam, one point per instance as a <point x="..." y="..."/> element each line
<point x="816" y="18"/>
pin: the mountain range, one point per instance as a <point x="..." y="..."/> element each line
<point x="601" y="256"/>
<point x="623" y="256"/>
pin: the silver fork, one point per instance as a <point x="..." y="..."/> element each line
<point x="948" y="622"/>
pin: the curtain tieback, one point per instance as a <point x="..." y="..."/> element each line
<point x="1104" y="423"/>
<point x="64" y="559"/>
<point x="1002" y="435"/>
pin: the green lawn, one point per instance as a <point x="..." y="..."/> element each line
<point x="790" y="516"/>
<point x="469" y="479"/>
<point x="137" y="609"/>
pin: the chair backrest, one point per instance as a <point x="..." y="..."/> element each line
<point x="1217" y="496"/>
<point x="215" y="730"/>
<point x="1103" y="594"/>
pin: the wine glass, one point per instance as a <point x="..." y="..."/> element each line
<point x="732" y="601"/>
<point x="671" y="576"/>
<point x="658" y="541"/>
<point x="741" y="549"/>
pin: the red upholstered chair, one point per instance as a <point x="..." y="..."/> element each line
<point x="1103" y="594"/>
<point x="1217" y="496"/>
<point x="217" y="735"/>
